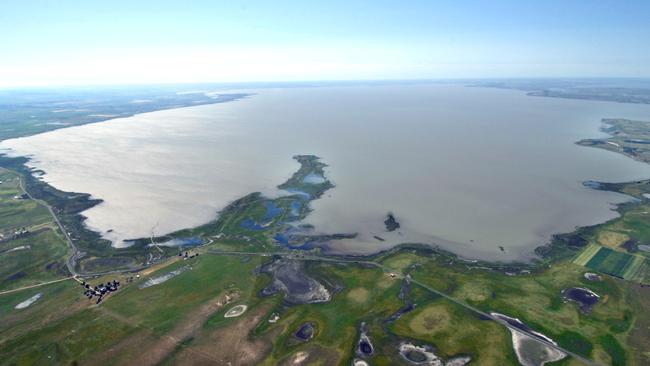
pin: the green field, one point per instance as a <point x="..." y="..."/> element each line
<point x="535" y="299"/>
<point x="135" y="319"/>
<point x="17" y="213"/>
<point x="613" y="263"/>
<point x="38" y="253"/>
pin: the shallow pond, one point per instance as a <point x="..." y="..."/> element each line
<point x="181" y="242"/>
<point x="28" y="302"/>
<point x="235" y="311"/>
<point x="306" y="331"/>
<point x="583" y="296"/>
<point x="313" y="178"/>
<point x="530" y="351"/>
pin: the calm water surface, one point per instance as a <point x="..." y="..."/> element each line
<point x="469" y="169"/>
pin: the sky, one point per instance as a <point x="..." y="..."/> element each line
<point x="47" y="43"/>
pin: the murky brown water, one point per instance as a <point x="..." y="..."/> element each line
<point x="470" y="169"/>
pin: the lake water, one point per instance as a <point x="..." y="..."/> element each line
<point x="469" y="169"/>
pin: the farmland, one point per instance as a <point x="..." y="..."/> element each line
<point x="32" y="250"/>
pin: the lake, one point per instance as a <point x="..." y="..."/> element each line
<point x="468" y="169"/>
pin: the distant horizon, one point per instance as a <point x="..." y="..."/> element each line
<point x="324" y="81"/>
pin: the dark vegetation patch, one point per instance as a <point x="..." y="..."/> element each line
<point x="575" y="342"/>
<point x="97" y="264"/>
<point x="631" y="245"/>
<point x="614" y="350"/>
<point x="620" y="325"/>
<point x="564" y="246"/>
<point x="16" y="276"/>
<point x="391" y="223"/>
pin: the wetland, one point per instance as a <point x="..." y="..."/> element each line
<point x="163" y="171"/>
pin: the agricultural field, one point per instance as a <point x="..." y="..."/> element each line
<point x="17" y="211"/>
<point x="621" y="247"/>
<point x="32" y="250"/>
<point x="614" y="263"/>
<point x="33" y="259"/>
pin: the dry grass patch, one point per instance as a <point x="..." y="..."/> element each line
<point x="612" y="239"/>
<point x="431" y="318"/>
<point x="187" y="328"/>
<point x="401" y="261"/>
<point x="231" y="345"/>
<point x="475" y="291"/>
<point x="358" y="295"/>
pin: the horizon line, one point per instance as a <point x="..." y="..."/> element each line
<point x="307" y="81"/>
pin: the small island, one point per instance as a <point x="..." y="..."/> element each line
<point x="391" y="223"/>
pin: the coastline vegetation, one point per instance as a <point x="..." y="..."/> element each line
<point x="64" y="327"/>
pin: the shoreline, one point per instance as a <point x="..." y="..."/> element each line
<point x="71" y="206"/>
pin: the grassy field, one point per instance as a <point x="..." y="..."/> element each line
<point x="207" y="277"/>
<point x="42" y="260"/>
<point x="71" y="328"/>
<point x="535" y="299"/>
<point x="59" y="301"/>
<point x="182" y="320"/>
<point x="455" y="331"/>
<point x="38" y="253"/>
<point x="17" y="213"/>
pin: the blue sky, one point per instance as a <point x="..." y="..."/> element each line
<point x="85" y="42"/>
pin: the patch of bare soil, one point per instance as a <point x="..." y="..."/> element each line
<point x="312" y="355"/>
<point x="152" y="353"/>
<point x="147" y="271"/>
<point x="231" y="345"/>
